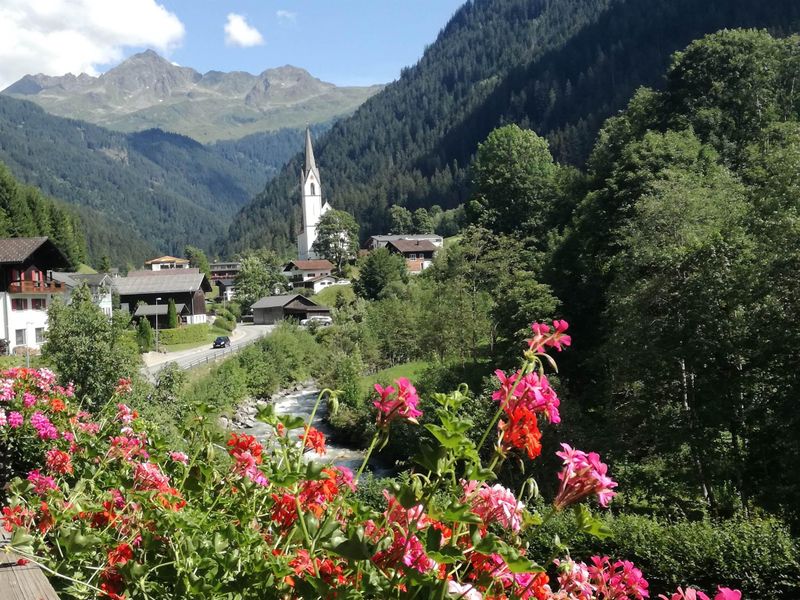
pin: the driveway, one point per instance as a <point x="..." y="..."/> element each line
<point x="243" y="336"/>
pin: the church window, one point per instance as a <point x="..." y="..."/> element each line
<point x="313" y="189"/>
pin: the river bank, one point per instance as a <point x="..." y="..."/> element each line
<point x="299" y="401"/>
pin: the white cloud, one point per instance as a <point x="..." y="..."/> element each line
<point x="239" y="33"/>
<point x="286" y="16"/>
<point x="55" y="37"/>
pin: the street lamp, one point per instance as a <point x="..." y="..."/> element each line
<point x="157" y="299"/>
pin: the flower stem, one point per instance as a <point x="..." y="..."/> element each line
<point x="372" y="445"/>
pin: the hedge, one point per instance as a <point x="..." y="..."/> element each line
<point x="184" y="335"/>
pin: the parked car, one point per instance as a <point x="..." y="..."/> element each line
<point x="318" y="320"/>
<point x="222" y="341"/>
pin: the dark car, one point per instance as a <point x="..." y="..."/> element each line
<point x="222" y="341"/>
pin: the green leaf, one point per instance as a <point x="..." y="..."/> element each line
<point x="449" y="440"/>
<point x="220" y="543"/>
<point x="22" y="541"/>
<point x="587" y="523"/>
<point x="292" y="422"/>
<point x="353" y="549"/>
<point x="430" y="456"/>
<point x="460" y="513"/>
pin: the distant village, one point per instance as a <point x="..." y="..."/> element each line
<point x="34" y="273"/>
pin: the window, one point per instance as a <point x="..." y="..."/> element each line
<point x="19" y="304"/>
<point x="38" y="304"/>
<point x="412" y="256"/>
<point x="20" y="337"/>
<point x="313" y="189"/>
<point x="40" y="335"/>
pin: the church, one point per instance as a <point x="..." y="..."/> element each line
<point x="311" y="203"/>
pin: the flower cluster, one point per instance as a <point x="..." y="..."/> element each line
<point x="247" y="452"/>
<point x="397" y="403"/>
<point x="723" y="593"/>
<point x="602" y="579"/>
<point x="544" y="337"/>
<point x="494" y="504"/>
<point x="583" y="475"/>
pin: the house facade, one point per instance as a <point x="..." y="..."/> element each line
<point x="273" y="309"/>
<point x="27" y="288"/>
<point x="183" y="286"/>
<point x="298" y="271"/>
<point x="419" y="254"/>
<point x="224" y="270"/>
<point x="380" y="241"/>
<point x="317" y="284"/>
<point x="101" y="286"/>
<point x="166" y="262"/>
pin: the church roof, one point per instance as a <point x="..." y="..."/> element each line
<point x="311" y="164"/>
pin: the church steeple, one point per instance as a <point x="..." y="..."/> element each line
<point x="311" y="164"/>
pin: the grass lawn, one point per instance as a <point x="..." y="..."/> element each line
<point x="327" y="297"/>
<point x="409" y="370"/>
<point x="213" y="332"/>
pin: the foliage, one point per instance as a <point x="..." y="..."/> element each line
<point x="87" y="348"/>
<point x="144" y="335"/>
<point x="197" y="259"/>
<point x="260" y="275"/>
<point x="379" y="270"/>
<point x="337" y="238"/>
<point x="401" y="220"/>
<point x="25" y="212"/>
<point x="172" y="315"/>
<point x="183" y="335"/>
<point x="117" y="509"/>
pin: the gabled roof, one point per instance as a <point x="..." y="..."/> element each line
<point x="309" y="265"/>
<point x="167" y="259"/>
<point x="93" y="280"/>
<point x="178" y="281"/>
<point x="405" y="236"/>
<point x="150" y="310"/>
<point x="14" y="251"/>
<point x="405" y="246"/>
<point x="164" y="272"/>
<point x="279" y="301"/>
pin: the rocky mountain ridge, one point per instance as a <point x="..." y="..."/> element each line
<point x="147" y="91"/>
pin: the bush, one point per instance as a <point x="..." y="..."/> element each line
<point x="144" y="335"/>
<point x="757" y="556"/>
<point x="225" y="324"/>
<point x="183" y="335"/>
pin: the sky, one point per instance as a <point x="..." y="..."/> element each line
<point x="346" y="42"/>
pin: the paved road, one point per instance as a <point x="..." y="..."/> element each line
<point x="243" y="336"/>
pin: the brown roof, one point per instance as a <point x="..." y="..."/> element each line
<point x="413" y="246"/>
<point x="166" y="259"/>
<point x="164" y="272"/>
<point x="17" y="250"/>
<point x="310" y="265"/>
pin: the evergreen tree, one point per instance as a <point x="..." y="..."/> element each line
<point x="144" y="335"/>
<point x="423" y="222"/>
<point x="172" y="315"/>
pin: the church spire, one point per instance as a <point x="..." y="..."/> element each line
<point x="311" y="164"/>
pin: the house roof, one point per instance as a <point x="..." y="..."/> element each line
<point x="405" y="236"/>
<point x="163" y="272"/>
<point x="167" y="259"/>
<point x="309" y="265"/>
<point x="225" y="282"/>
<point x="17" y="250"/>
<point x="413" y="246"/>
<point x="280" y="301"/>
<point x="176" y="282"/>
<point x="150" y="310"/>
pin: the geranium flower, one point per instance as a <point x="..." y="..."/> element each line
<point x="542" y="337"/>
<point x="44" y="428"/>
<point x="58" y="461"/>
<point x="314" y="439"/>
<point x="574" y="579"/>
<point x="521" y="431"/>
<point x="120" y="555"/>
<point x="405" y="551"/>
<point x="494" y="504"/>
<point x="123" y="386"/>
<point x="619" y="580"/>
<point x="15" y="419"/>
<point x="180" y="457"/>
<point x="583" y="475"/>
<point x="463" y="590"/>
<point x="148" y="476"/>
<point x="399" y="403"/>
<point x="41" y="483"/>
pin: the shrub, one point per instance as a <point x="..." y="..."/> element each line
<point x="184" y="335"/>
<point x="224" y="324"/>
<point x="144" y="335"/>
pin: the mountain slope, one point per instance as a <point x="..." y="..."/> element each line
<point x="558" y="66"/>
<point x="143" y="192"/>
<point x="146" y="91"/>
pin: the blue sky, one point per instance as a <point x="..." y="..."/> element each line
<point x="347" y="42"/>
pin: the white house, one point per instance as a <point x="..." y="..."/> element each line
<point x="101" y="285"/>
<point x="27" y="288"/>
<point x="166" y="262"/>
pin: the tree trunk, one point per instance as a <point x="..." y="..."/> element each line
<point x="705" y="486"/>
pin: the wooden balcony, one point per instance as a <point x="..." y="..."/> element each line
<point x="36" y="287"/>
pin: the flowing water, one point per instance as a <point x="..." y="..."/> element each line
<point x="300" y="404"/>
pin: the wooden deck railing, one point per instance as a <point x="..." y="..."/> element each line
<point x="36" y="287"/>
<point x="21" y="582"/>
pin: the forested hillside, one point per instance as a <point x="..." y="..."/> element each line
<point x="559" y="67"/>
<point x="25" y="212"/>
<point x="162" y="190"/>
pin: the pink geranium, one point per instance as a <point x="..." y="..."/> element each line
<point x="406" y="551"/>
<point x="180" y="457"/>
<point x="533" y="391"/>
<point x="574" y="579"/>
<point x="397" y="403"/>
<point x="494" y="504"/>
<point x="15" y="419"/>
<point x="148" y="476"/>
<point x="543" y="337"/>
<point x="44" y="428"/>
<point x="620" y="580"/>
<point x="583" y="475"/>
<point x="463" y="590"/>
<point x="41" y="483"/>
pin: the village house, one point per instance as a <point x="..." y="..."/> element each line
<point x="223" y="275"/>
<point x="156" y="288"/>
<point x="299" y="271"/>
<point x="272" y="309"/>
<point x="27" y="288"/>
<point x="418" y="253"/>
<point x="380" y="241"/>
<point x="166" y="262"/>
<point x="101" y="286"/>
